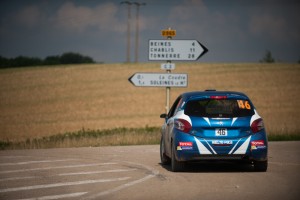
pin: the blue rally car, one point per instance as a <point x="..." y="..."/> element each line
<point x="213" y="125"/>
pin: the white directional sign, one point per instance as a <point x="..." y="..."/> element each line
<point x="185" y="50"/>
<point x="159" y="80"/>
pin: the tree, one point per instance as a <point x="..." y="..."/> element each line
<point x="4" y="62"/>
<point x="22" y="61"/>
<point x="66" y="58"/>
<point x="52" y="60"/>
<point x="75" y="58"/>
<point x="268" y="58"/>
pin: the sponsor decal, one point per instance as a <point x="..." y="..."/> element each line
<point x="222" y="142"/>
<point x="185" y="146"/>
<point x="258" y="144"/>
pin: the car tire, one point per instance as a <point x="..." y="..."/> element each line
<point x="176" y="166"/>
<point x="260" y="166"/>
<point x="165" y="160"/>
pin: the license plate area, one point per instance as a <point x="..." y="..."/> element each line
<point x="219" y="132"/>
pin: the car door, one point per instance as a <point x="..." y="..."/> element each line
<point x="170" y="124"/>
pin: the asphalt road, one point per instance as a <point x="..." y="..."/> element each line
<point x="135" y="172"/>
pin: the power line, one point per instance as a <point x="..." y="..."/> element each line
<point x="137" y="4"/>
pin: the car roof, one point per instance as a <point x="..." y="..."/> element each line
<point x="208" y="93"/>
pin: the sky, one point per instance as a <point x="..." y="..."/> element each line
<point x="232" y="30"/>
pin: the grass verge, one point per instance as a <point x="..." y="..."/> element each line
<point x="109" y="137"/>
<point x="284" y="137"/>
<point x="90" y="138"/>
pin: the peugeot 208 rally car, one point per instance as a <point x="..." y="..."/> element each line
<point x="213" y="125"/>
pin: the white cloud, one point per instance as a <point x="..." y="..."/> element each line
<point x="270" y="25"/>
<point x="29" y="16"/>
<point x="276" y="21"/>
<point x="80" y="18"/>
<point x="230" y="30"/>
<point x="188" y="12"/>
<point x="194" y="19"/>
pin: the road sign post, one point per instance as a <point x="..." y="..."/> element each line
<point x="169" y="50"/>
<point x="169" y="34"/>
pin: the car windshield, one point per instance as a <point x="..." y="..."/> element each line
<point x="220" y="108"/>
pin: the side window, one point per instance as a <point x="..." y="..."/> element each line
<point x="174" y="107"/>
<point x="178" y="106"/>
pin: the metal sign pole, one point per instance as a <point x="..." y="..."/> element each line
<point x="168" y="89"/>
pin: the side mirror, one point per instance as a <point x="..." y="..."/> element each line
<point x="164" y="115"/>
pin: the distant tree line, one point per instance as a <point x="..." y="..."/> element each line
<point x="268" y="58"/>
<point x="66" y="58"/>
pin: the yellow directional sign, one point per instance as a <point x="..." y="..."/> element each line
<point x="168" y="33"/>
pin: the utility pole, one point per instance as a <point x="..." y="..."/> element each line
<point x="137" y="30"/>
<point x="128" y="28"/>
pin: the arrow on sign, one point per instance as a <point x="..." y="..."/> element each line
<point x="188" y="50"/>
<point x="159" y="80"/>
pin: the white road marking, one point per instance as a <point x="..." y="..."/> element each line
<point x="59" y="167"/>
<point x="121" y="187"/>
<point x="57" y="196"/>
<point x="62" y="184"/>
<point x="97" y="172"/>
<point x="17" y="178"/>
<point x="37" y="161"/>
<point x="127" y="184"/>
<point x="70" y="174"/>
<point x="4" y="157"/>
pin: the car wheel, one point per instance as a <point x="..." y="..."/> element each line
<point x="165" y="160"/>
<point x="260" y="166"/>
<point x="176" y="165"/>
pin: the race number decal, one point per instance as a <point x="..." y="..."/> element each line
<point x="221" y="132"/>
<point x="244" y="104"/>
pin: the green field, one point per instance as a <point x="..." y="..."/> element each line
<point x="44" y="101"/>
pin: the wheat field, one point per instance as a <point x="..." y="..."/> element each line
<point x="42" y="101"/>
